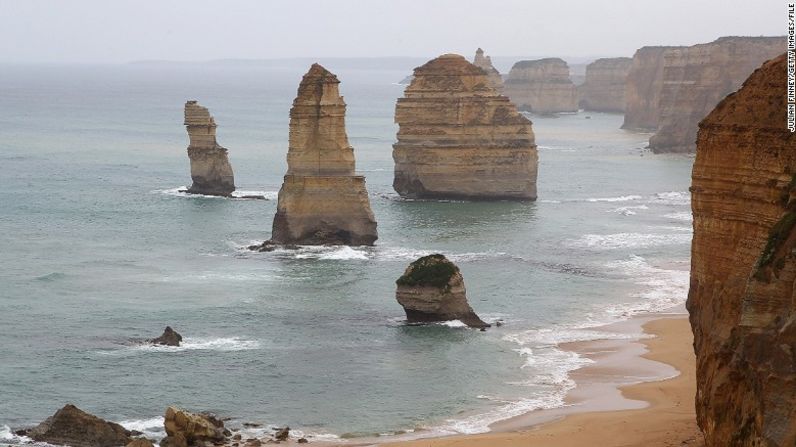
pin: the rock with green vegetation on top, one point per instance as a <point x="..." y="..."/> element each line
<point x="432" y="289"/>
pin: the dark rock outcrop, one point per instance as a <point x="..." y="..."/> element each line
<point x="282" y="434"/>
<point x="542" y="86"/>
<point x="170" y="337"/>
<point x="604" y="87"/>
<point x="459" y="138"/>
<point x="432" y="290"/>
<point x="322" y="200"/>
<point x="184" y="429"/>
<point x="743" y="270"/>
<point x="74" y="427"/>
<point x="210" y="169"/>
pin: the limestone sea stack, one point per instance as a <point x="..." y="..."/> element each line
<point x="485" y="63"/>
<point x="743" y="270"/>
<point x="604" y="87"/>
<point x="73" y="426"/>
<point x="210" y="169"/>
<point x="696" y="78"/>
<point x="432" y="290"/>
<point x="542" y="86"/>
<point x="459" y="138"/>
<point x="643" y="87"/>
<point x="322" y="200"/>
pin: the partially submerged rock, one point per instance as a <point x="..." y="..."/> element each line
<point x="282" y="434"/>
<point x="432" y="290"/>
<point x="210" y="169"/>
<point x="170" y="337"/>
<point x="184" y="428"/>
<point x="73" y="426"/>
<point x="322" y="201"/>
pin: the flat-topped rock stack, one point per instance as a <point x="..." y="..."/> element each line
<point x="459" y="138"/>
<point x="322" y="200"/>
<point x="604" y="87"/>
<point x="485" y="63"/>
<point x="542" y="86"/>
<point x="210" y="169"/>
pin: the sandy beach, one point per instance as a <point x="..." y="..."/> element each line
<point x="605" y="413"/>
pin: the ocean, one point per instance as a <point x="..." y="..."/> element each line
<point x="99" y="250"/>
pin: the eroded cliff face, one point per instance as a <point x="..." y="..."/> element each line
<point x="741" y="299"/>
<point x="542" y="86"/>
<point x="485" y="63"/>
<point x="210" y="169"/>
<point x="322" y="200"/>
<point x="459" y="138"/>
<point x="643" y="89"/>
<point x="604" y="87"/>
<point x="696" y="78"/>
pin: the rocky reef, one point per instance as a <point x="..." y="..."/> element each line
<point x="170" y="337"/>
<point x="696" y="78"/>
<point x="73" y="426"/>
<point x="743" y="269"/>
<point x="485" y="63"/>
<point x="322" y="201"/>
<point x="542" y="86"/>
<point x="643" y="87"/>
<point x="184" y="429"/>
<point x="604" y="87"/>
<point x="459" y="138"/>
<point x="432" y="290"/>
<point x="210" y="169"/>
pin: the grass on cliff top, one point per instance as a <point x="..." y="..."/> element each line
<point x="432" y="270"/>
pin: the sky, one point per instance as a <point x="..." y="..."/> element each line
<point x="120" y="31"/>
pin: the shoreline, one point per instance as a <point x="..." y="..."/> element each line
<point x="637" y="390"/>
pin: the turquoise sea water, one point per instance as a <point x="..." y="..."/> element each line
<point x="98" y="249"/>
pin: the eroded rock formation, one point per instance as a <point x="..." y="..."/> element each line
<point x="459" y="138"/>
<point x="743" y="271"/>
<point x="432" y="289"/>
<point x="696" y="78"/>
<point x="485" y="63"/>
<point x="322" y="200"/>
<point x="542" y="86"/>
<point x="643" y="89"/>
<point x="604" y="87"/>
<point x="170" y="337"/>
<point x="184" y="428"/>
<point x="73" y="426"/>
<point x="210" y="169"/>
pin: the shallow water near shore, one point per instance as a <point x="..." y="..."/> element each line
<point x="100" y="249"/>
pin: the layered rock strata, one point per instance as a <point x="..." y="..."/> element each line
<point x="743" y="271"/>
<point x="210" y="169"/>
<point x="459" y="138"/>
<point x="432" y="289"/>
<point x="604" y="87"/>
<point x="485" y="63"/>
<point x="322" y="200"/>
<point x="643" y="87"/>
<point x="73" y="426"/>
<point x="542" y="86"/>
<point x="696" y="78"/>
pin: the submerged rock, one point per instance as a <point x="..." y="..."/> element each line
<point x="459" y="138"/>
<point x="170" y="337"/>
<point x="210" y="168"/>
<point x="184" y="428"/>
<point x="73" y="426"/>
<point x="743" y="270"/>
<point x="432" y="290"/>
<point x="542" y="86"/>
<point x="322" y="200"/>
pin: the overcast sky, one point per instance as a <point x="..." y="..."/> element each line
<point x="195" y="30"/>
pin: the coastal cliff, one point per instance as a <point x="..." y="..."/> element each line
<point x="643" y="89"/>
<point x="210" y="169"/>
<point x="542" y="86"/>
<point x="459" y="138"/>
<point x="485" y="63"/>
<point x="322" y="200"/>
<point x="696" y="78"/>
<point x="743" y="269"/>
<point x="604" y="87"/>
